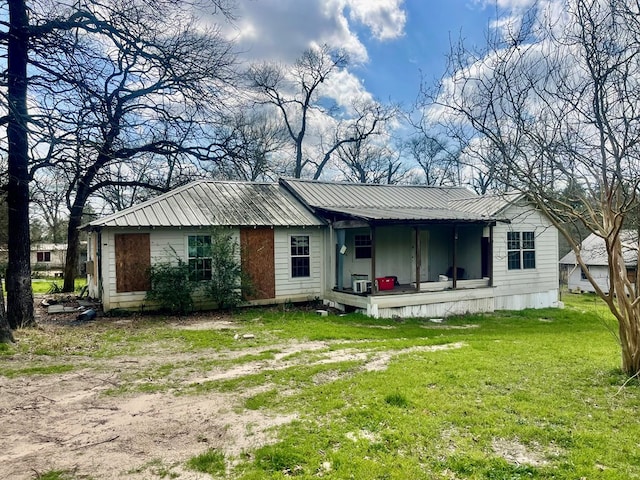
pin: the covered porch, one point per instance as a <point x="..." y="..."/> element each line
<point x="413" y="268"/>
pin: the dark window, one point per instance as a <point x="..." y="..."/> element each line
<point x="583" y="275"/>
<point x="43" y="256"/>
<point x="521" y="250"/>
<point x="363" y="246"/>
<point x="200" y="259"/>
<point x="300" y="260"/>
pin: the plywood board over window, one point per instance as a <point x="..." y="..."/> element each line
<point x="257" y="252"/>
<point x="133" y="259"/>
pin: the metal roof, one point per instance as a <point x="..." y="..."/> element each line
<point x="212" y="203"/>
<point x="335" y="194"/>
<point x="406" y="214"/>
<point x="397" y="202"/>
<point x="593" y="250"/>
<point x="485" y="205"/>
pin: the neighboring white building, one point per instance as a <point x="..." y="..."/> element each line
<point x="594" y="255"/>
<point x="386" y="250"/>
<point x="48" y="259"/>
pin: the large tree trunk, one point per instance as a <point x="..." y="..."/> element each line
<point x="19" y="293"/>
<point x="73" y="249"/>
<point x="5" y="331"/>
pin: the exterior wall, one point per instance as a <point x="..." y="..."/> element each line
<point x="600" y="273"/>
<point x="440" y="254"/>
<point x="395" y="253"/>
<point x="531" y="288"/>
<point x="289" y="288"/>
<point x="163" y="241"/>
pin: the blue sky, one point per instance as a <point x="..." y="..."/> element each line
<point x="391" y="42"/>
<point x="396" y="66"/>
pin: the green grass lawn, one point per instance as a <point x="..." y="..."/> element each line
<point x="536" y="394"/>
<point x="51" y="285"/>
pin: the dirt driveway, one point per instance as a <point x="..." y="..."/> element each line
<point x="67" y="422"/>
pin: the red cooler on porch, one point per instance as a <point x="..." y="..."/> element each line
<point x="385" y="283"/>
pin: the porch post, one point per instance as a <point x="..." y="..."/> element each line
<point x="340" y="241"/>
<point x="455" y="256"/>
<point x="418" y="258"/>
<point x="490" y="260"/>
<point x="373" y="259"/>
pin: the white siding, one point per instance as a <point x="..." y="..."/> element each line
<point x="395" y="253"/>
<point x="163" y="244"/>
<point x="600" y="273"/>
<point x="525" y="282"/>
<point x="288" y="287"/>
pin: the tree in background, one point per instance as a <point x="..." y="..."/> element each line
<point x="364" y="161"/>
<point x="438" y="164"/>
<point x="298" y="100"/>
<point x="70" y="48"/>
<point x="557" y="100"/>
<point x="132" y="114"/>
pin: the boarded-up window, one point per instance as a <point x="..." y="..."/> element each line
<point x="257" y="253"/>
<point x="133" y="259"/>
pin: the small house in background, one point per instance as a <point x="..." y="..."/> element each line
<point x="385" y="250"/>
<point x="48" y="259"/>
<point x="594" y="255"/>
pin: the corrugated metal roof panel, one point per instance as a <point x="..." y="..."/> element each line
<point x="408" y="214"/>
<point x="348" y="195"/>
<point x="206" y="203"/>
<point x="489" y="205"/>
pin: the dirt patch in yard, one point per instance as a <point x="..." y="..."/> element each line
<point x="68" y="421"/>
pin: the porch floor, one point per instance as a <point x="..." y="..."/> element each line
<point x="396" y="290"/>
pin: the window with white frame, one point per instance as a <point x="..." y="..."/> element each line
<point x="200" y="259"/>
<point x="362" y="245"/>
<point x="521" y="250"/>
<point x="300" y="258"/>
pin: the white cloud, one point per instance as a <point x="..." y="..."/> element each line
<point x="280" y="30"/>
<point x="345" y="88"/>
<point x="385" y="18"/>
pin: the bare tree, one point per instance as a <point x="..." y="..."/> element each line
<point x="296" y="96"/>
<point x="44" y="35"/>
<point x="439" y="165"/>
<point x="557" y="98"/>
<point x="128" y="118"/>
<point x="366" y="162"/>
<point x="48" y="201"/>
<point x="251" y="145"/>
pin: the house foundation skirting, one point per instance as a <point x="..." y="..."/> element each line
<point x="441" y="304"/>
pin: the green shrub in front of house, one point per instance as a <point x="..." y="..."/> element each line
<point x="228" y="286"/>
<point x="173" y="287"/>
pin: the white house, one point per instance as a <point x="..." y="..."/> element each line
<point x="386" y="250"/>
<point x="594" y="255"/>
